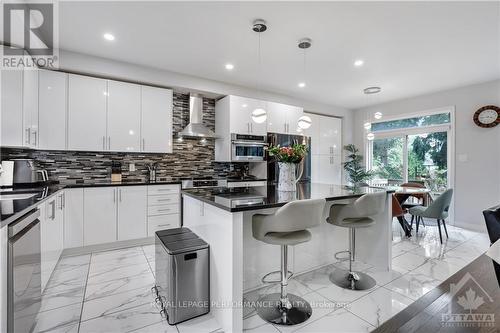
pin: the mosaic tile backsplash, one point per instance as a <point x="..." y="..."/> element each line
<point x="190" y="158"/>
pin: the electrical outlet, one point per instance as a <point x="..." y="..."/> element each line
<point x="131" y="167"/>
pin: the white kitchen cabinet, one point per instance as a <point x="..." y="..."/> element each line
<point x="329" y="169"/>
<point x="99" y="215"/>
<point x="313" y="132"/>
<point x="87" y="113"/>
<point x="52" y="98"/>
<point x="30" y="107"/>
<point x="73" y="218"/>
<point x="241" y="120"/>
<point x="132" y="206"/>
<point x="12" y="108"/>
<point x="124" y="116"/>
<point x="330" y="132"/>
<point x="282" y="118"/>
<point x="156" y="124"/>
<point x="51" y="235"/>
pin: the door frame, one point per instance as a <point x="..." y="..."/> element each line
<point x="449" y="128"/>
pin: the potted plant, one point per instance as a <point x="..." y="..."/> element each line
<point x="288" y="158"/>
<point x="356" y="172"/>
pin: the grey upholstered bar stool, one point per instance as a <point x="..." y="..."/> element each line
<point x="287" y="226"/>
<point x="359" y="214"/>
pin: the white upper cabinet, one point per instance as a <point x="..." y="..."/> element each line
<point x="30" y="107"/>
<point x="156" y="113"/>
<point x="87" y="113"/>
<point x="12" y="108"/>
<point x="52" y="99"/>
<point x="247" y="115"/>
<point x="124" y="116"/>
<point x="330" y="140"/>
<point x="282" y="118"/>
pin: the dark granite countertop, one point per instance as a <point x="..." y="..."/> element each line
<point x="15" y="202"/>
<point x="233" y="180"/>
<point x="262" y="197"/>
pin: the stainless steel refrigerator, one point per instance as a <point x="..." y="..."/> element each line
<point x="286" y="140"/>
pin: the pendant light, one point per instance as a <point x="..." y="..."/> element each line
<point x="378" y="115"/>
<point x="305" y="121"/>
<point x="259" y="114"/>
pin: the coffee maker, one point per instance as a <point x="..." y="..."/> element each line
<point x="26" y="173"/>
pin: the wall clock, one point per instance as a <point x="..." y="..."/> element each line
<point x="488" y="116"/>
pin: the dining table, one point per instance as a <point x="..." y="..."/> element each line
<point x="402" y="194"/>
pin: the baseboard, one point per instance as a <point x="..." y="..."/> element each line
<point x="471" y="226"/>
<point x="74" y="251"/>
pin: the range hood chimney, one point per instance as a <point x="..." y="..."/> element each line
<point x="195" y="128"/>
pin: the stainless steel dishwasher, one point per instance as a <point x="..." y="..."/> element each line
<point x="24" y="290"/>
<point x="182" y="274"/>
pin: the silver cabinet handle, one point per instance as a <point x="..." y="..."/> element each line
<point x="34" y="137"/>
<point x="164" y="210"/>
<point x="163" y="225"/>
<point x="284" y="126"/>
<point x="109" y="143"/>
<point x="53" y="204"/>
<point x="103" y="142"/>
<point x="163" y="200"/>
<point x="143" y="144"/>
<point x="114" y="195"/>
<point x="120" y="192"/>
<point x="28" y="136"/>
<point x="63" y="196"/>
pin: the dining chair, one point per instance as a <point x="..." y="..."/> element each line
<point x="419" y="196"/>
<point x="438" y="210"/>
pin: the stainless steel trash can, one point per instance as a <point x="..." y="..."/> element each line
<point x="182" y="272"/>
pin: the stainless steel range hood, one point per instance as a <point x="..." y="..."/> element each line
<point x="195" y="128"/>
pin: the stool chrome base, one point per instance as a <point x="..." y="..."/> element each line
<point x="352" y="280"/>
<point x="269" y="309"/>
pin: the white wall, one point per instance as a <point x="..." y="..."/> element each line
<point x="477" y="185"/>
<point x="76" y="62"/>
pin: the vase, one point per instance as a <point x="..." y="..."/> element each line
<point x="287" y="177"/>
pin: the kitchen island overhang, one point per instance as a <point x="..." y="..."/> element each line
<point x="222" y="217"/>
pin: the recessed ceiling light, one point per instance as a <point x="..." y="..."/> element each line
<point x="108" y="36"/>
<point x="301" y="84"/>
<point x="359" y="63"/>
<point x="229" y="67"/>
<point x="372" y="90"/>
<point x="377" y="115"/>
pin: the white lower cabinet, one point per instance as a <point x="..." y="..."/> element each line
<point x="132" y="204"/>
<point x="99" y="214"/>
<point x="51" y="235"/>
<point x="73" y="218"/>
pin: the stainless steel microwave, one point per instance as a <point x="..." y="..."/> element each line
<point x="248" y="148"/>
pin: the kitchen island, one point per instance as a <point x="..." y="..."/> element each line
<point x="223" y="218"/>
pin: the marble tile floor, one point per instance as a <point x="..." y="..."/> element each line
<point x="110" y="291"/>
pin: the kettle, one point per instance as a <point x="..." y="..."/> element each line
<point x="25" y="172"/>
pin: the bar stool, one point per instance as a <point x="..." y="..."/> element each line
<point x="359" y="214"/>
<point x="287" y="226"/>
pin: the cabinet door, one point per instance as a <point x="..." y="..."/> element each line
<point x="30" y="107"/>
<point x="48" y="239"/>
<point x="132" y="212"/>
<point x="330" y="130"/>
<point x="276" y="118"/>
<point x="52" y="94"/>
<point x="329" y="169"/>
<point x="293" y="113"/>
<point x="58" y="237"/>
<point x="12" y="108"/>
<point x="124" y="116"/>
<point x="241" y="116"/>
<point x="73" y="217"/>
<point x="86" y="113"/>
<point x="315" y="176"/>
<point x="313" y="132"/>
<point x="156" y="113"/>
<point x="99" y="215"/>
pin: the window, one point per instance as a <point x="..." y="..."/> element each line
<point x="434" y="119"/>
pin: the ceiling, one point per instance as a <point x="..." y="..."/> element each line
<point x="409" y="48"/>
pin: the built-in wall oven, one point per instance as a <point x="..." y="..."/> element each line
<point x="24" y="273"/>
<point x="248" y="148"/>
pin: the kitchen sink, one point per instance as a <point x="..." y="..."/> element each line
<point x="16" y="196"/>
